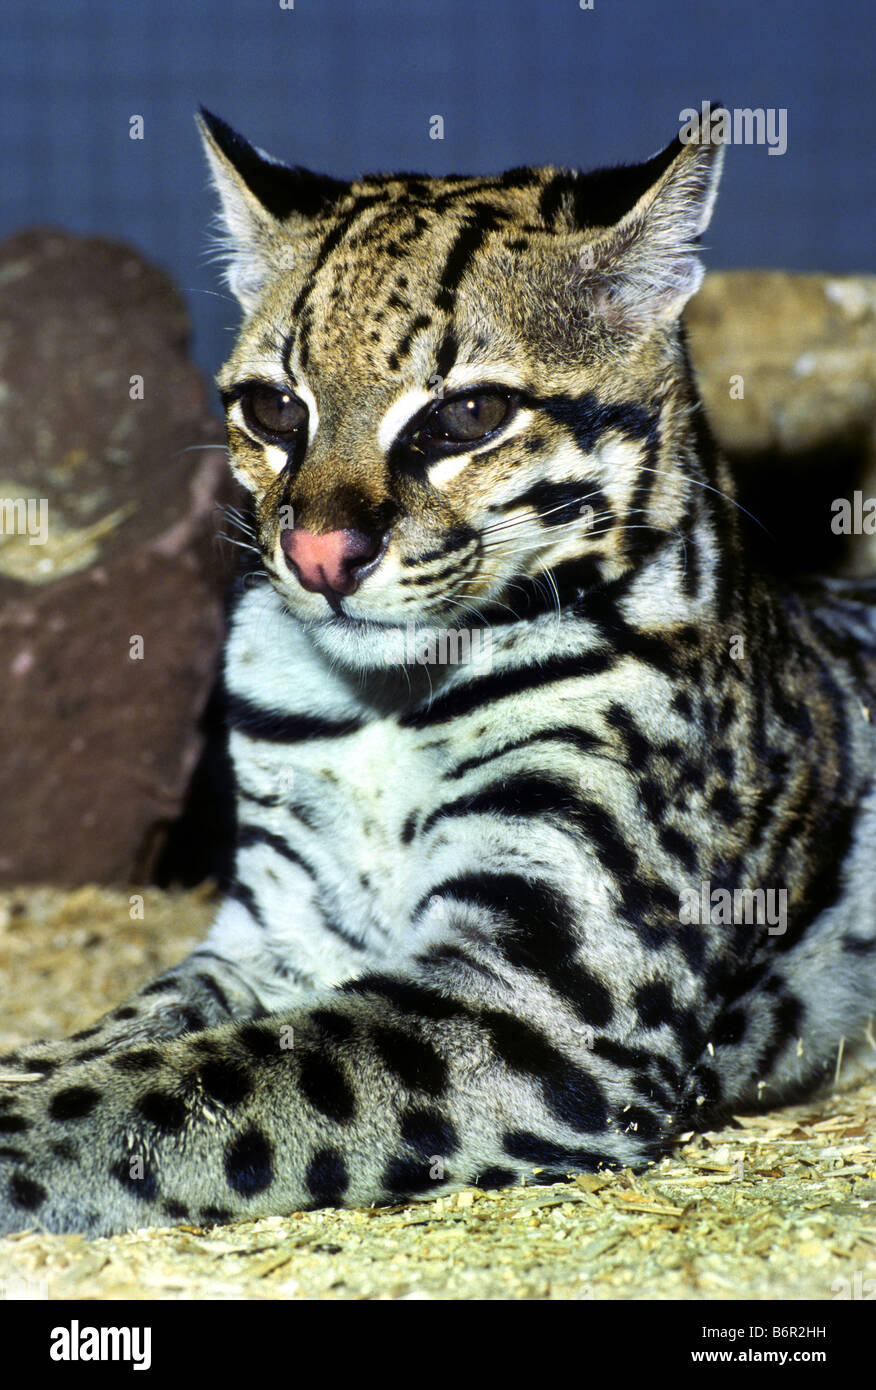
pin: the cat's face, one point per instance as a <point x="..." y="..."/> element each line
<point x="448" y="389"/>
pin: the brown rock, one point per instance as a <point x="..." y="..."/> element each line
<point x="110" y="581"/>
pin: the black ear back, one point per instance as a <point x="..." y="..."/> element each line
<point x="601" y="197"/>
<point x="283" y="190"/>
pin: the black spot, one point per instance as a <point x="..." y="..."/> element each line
<point x="730" y="1028"/>
<point x="74" y="1103"/>
<point x="25" y="1193"/>
<point x="89" y="1054"/>
<point x="725" y="804"/>
<point x="145" y="1187"/>
<point x="327" y="1179"/>
<point x="403" y="1177"/>
<point x="249" y="1165"/>
<point x="692" y="941"/>
<point x="414" y="1061"/>
<point x="492" y="1178"/>
<point x="324" y="1085"/>
<point x="13" y="1124"/>
<point x="408" y="828"/>
<point x="126" y="1012"/>
<point x="65" y="1149"/>
<point x="143" y="1059"/>
<point x="653" y="797"/>
<point x="163" y="1110"/>
<point x="654" y="1003"/>
<point x="175" y="1210"/>
<point x="215" y="1216"/>
<point x="261" y="1040"/>
<point x="680" y="847"/>
<point x="725" y="762"/>
<point x="706" y="1084"/>
<point x="726" y="714"/>
<point x="530" y="1148"/>
<point x="642" y="1122"/>
<point x="45" y="1065"/>
<point x="429" y="1132"/>
<point x="225" y="1083"/>
<point x="9" y="1151"/>
<point x="83" y="1034"/>
<point x="334" y="1025"/>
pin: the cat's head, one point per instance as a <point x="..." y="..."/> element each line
<point x="447" y="391"/>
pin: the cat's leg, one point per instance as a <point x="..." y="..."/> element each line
<point x="495" y="1049"/>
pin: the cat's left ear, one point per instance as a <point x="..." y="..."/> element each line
<point x="262" y="203"/>
<point x="644" y="269"/>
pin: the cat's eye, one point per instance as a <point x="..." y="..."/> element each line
<point x="470" y="417"/>
<point x="275" y="414"/>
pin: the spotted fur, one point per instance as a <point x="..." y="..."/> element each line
<point x="454" y="950"/>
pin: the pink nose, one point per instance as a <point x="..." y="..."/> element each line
<point x="331" y="564"/>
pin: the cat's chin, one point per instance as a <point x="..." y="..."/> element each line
<point x="364" y="645"/>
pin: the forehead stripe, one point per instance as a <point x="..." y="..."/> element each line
<point x="330" y="242"/>
<point x="403" y="347"/>
<point x="484" y="218"/>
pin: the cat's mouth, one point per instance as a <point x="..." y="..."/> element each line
<point x="341" y="619"/>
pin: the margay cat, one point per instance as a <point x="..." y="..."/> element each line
<point x="455" y="950"/>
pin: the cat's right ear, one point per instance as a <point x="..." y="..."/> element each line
<point x="263" y="203"/>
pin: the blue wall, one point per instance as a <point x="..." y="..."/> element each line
<point x="345" y="86"/>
